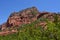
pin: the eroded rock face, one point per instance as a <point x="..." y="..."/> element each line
<point x="23" y="17"/>
<point x="3" y="26"/>
<point x="47" y="15"/>
<point x="26" y="16"/>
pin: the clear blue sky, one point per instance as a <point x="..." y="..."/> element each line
<point x="9" y="6"/>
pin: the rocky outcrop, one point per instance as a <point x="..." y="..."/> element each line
<point x="26" y="16"/>
<point x="3" y="26"/>
<point x="47" y="15"/>
<point x="23" y="17"/>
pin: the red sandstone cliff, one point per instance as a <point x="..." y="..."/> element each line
<point x="25" y="17"/>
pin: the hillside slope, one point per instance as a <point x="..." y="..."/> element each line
<point x="28" y="16"/>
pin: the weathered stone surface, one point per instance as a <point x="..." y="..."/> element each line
<point x="3" y="26"/>
<point x="27" y="16"/>
<point x="23" y="17"/>
<point x="47" y="15"/>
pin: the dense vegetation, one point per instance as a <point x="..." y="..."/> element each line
<point x="33" y="32"/>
